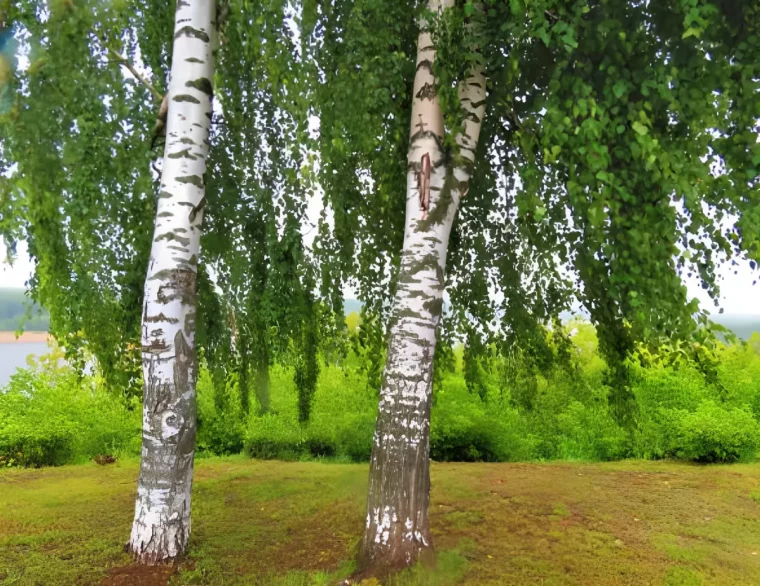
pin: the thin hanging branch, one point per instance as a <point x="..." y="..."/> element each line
<point x="128" y="64"/>
<point x="117" y="57"/>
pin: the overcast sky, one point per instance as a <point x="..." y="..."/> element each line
<point x="738" y="295"/>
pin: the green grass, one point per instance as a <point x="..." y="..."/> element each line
<point x="298" y="524"/>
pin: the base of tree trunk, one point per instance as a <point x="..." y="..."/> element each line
<point x="376" y="565"/>
<point x="151" y="558"/>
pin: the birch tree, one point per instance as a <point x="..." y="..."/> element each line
<point x="78" y="186"/>
<point x="161" y="526"/>
<point x="611" y="129"/>
<point x="397" y="528"/>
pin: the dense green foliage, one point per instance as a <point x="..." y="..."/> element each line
<point x="619" y="139"/>
<point x="50" y="416"/>
<point x="78" y="183"/>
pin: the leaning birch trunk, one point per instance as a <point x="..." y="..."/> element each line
<point x="162" y="512"/>
<point x="397" y="530"/>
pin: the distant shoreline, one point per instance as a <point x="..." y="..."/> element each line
<point x="26" y="338"/>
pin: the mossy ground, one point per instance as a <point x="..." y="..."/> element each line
<point x="298" y="524"/>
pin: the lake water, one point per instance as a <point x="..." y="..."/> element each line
<point x="13" y="356"/>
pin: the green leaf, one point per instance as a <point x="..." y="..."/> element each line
<point x="640" y="128"/>
<point x="619" y="88"/>
<point x="544" y="36"/>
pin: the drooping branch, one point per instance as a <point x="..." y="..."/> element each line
<point x="121" y="60"/>
<point x="117" y="57"/>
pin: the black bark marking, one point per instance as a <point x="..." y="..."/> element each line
<point x="434" y="306"/>
<point x="194" y="60"/>
<point x="197" y="209"/>
<point x="427" y="92"/>
<point x="179" y="285"/>
<point x="425" y="64"/>
<point x="160" y="318"/>
<point x="421" y="124"/>
<point x="195" y="33"/>
<point x="184" y="359"/>
<point x="183" y="154"/>
<point x="156" y="346"/>
<point x="163" y="194"/>
<point x="172" y="236"/>
<point x="420" y="134"/>
<point x="202" y="84"/>
<point x="196" y="180"/>
<point x="186" y="98"/>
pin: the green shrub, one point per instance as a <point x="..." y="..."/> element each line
<point x="649" y="440"/>
<point x="590" y="433"/>
<point x="220" y="431"/>
<point x="49" y="443"/>
<point x="51" y="416"/>
<point x="354" y="436"/>
<point x="465" y="428"/>
<point x="271" y="436"/>
<point x="713" y="433"/>
<point x="320" y="441"/>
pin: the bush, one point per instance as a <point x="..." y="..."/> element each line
<point x="50" y="416"/>
<point x="271" y="436"/>
<point x="49" y="443"/>
<point x="590" y="433"/>
<point x="465" y="428"/>
<point x="220" y="432"/>
<point x="713" y="433"/>
<point x="354" y="436"/>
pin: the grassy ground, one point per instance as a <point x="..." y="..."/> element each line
<point x="297" y="524"/>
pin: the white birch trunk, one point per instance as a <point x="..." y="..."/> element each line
<point x="397" y="529"/>
<point x="162" y="512"/>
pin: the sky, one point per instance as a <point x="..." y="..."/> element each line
<point x="738" y="295"/>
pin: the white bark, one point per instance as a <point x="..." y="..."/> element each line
<point x="162" y="511"/>
<point x="397" y="530"/>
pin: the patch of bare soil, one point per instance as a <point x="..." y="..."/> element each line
<point x="138" y="575"/>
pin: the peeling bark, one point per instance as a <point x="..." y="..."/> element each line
<point x="161" y="526"/>
<point x="397" y="531"/>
